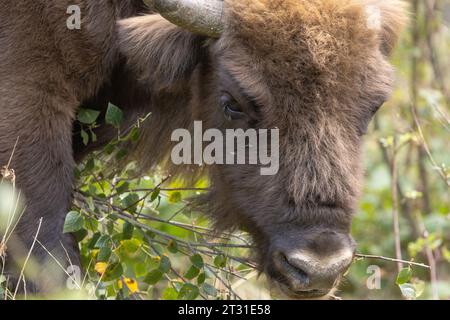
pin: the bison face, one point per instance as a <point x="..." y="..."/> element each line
<point x="300" y="217"/>
<point x="316" y="71"/>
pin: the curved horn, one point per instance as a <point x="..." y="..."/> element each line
<point x="198" y="16"/>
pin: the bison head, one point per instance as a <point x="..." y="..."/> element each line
<point x="318" y="71"/>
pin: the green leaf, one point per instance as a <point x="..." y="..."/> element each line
<point x="114" y="116"/>
<point x="170" y="294"/>
<point x="130" y="200"/>
<point x="164" y="264"/>
<point x="155" y="194"/>
<point x="175" y="197"/>
<point x="153" y="277"/>
<point x="192" y="273"/>
<point x="172" y="246"/>
<point x="127" y="231"/>
<point x="122" y="153"/>
<point x="404" y="276"/>
<point x="74" y="222"/>
<point x="188" y="292"/>
<point x="113" y="272"/>
<point x="122" y="187"/>
<point x="90" y="223"/>
<point x="134" y="134"/>
<point x="110" y="226"/>
<point x="197" y="261"/>
<point x="109" y="149"/>
<point x="85" y="137"/>
<point x="87" y="116"/>
<point x="140" y="270"/>
<point x="90" y="165"/>
<point x="90" y="202"/>
<point x="103" y="241"/>
<point x="93" y="136"/>
<point x="80" y="235"/>
<point x="201" y="278"/>
<point x="131" y="246"/>
<point x="93" y="241"/>
<point x="104" y="254"/>
<point x="152" y="262"/>
<point x="150" y="235"/>
<point x="220" y="261"/>
<point x="209" y="289"/>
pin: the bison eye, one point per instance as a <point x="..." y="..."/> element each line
<point x="231" y="107"/>
<point x="378" y="105"/>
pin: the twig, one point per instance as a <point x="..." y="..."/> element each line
<point x="58" y="263"/>
<point x="369" y="256"/>
<point x="161" y="189"/>
<point x="12" y="153"/>
<point x="395" y="217"/>
<point x="123" y="215"/>
<point x="27" y="258"/>
<point x="405" y="206"/>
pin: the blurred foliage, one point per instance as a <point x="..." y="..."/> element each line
<point x="141" y="238"/>
<point x="407" y="157"/>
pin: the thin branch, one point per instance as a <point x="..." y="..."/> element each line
<point x="395" y="217"/>
<point x="27" y="258"/>
<point x="58" y="263"/>
<point x="412" y="263"/>
<point x="405" y="206"/>
<point x="161" y="189"/>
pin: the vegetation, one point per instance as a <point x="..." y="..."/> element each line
<point x="141" y="238"/>
<point x="405" y="209"/>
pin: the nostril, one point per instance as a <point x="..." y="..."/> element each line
<point x="295" y="271"/>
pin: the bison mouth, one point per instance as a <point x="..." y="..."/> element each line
<point x="279" y="288"/>
<point x="306" y="294"/>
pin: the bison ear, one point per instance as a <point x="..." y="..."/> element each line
<point x="389" y="17"/>
<point x="160" y="54"/>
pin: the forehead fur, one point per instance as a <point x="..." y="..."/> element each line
<point x="327" y="39"/>
<point x="317" y="68"/>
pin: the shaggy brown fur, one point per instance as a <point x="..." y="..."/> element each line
<point x="313" y="69"/>
<point x="46" y="71"/>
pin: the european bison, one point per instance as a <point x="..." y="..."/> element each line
<point x="317" y="70"/>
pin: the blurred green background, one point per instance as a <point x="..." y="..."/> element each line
<point x="406" y="159"/>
